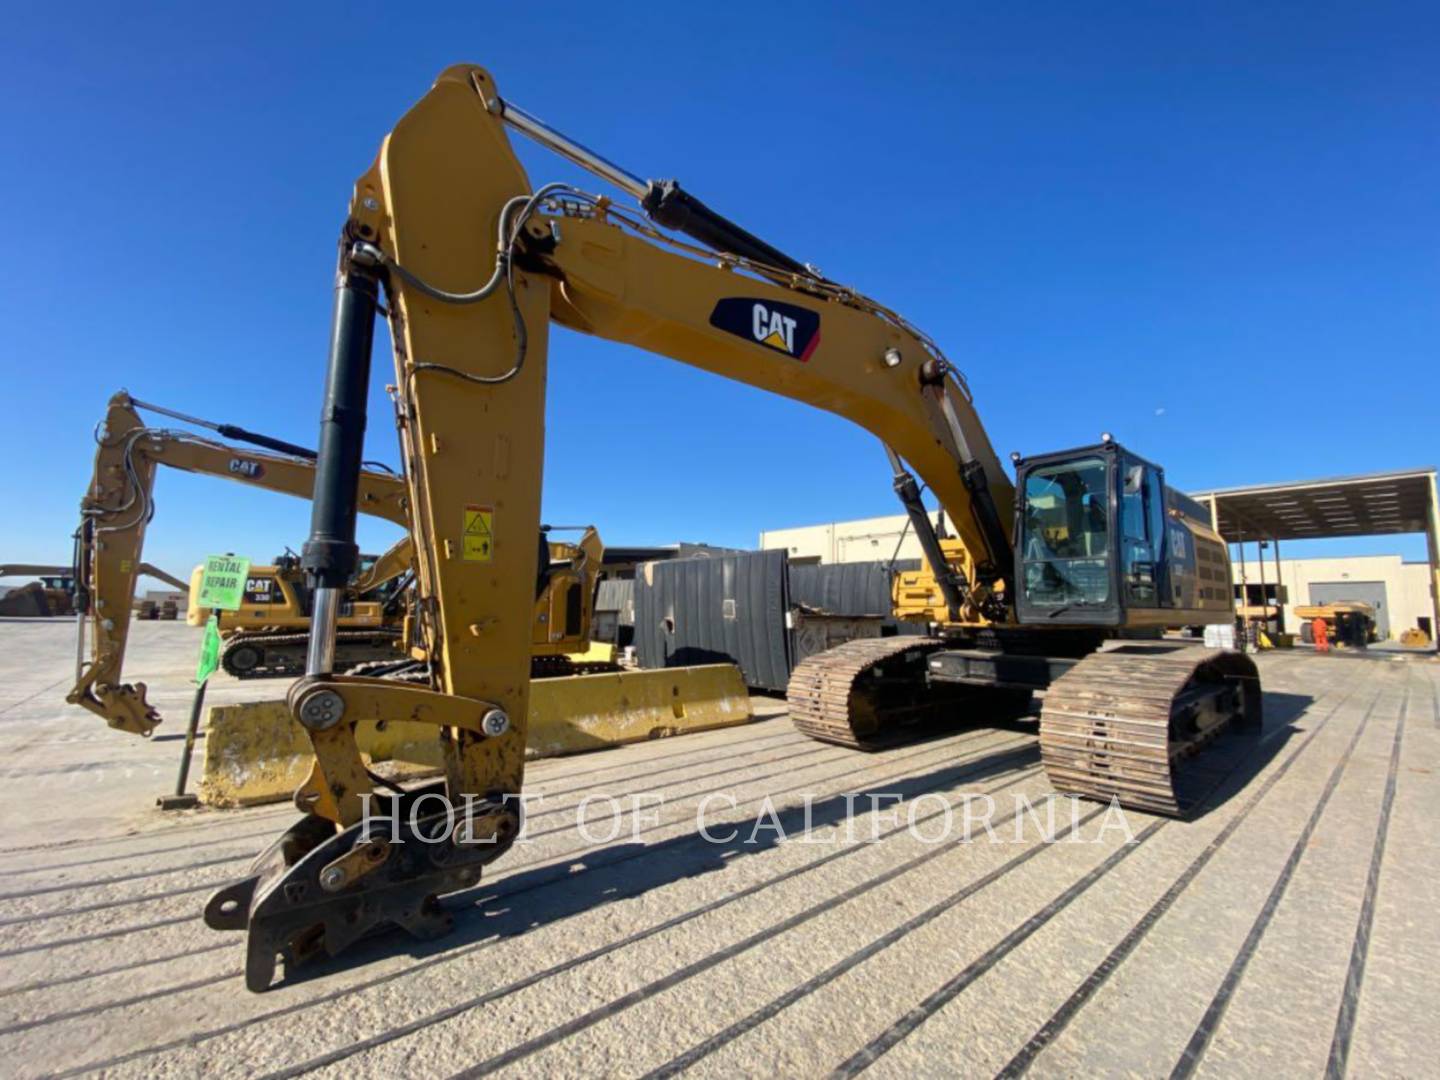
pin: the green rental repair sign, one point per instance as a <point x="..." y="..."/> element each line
<point x="222" y="583"/>
<point x="209" y="651"/>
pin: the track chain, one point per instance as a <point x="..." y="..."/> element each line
<point x="1106" y="731"/>
<point x="289" y="650"/>
<point x="831" y="697"/>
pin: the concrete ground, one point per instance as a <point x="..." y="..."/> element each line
<point x="1288" y="930"/>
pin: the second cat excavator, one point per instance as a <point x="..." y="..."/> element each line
<point x="267" y="635"/>
<point x="1058" y="580"/>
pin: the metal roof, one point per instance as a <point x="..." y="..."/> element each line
<point x="632" y="554"/>
<point x="1369" y="505"/>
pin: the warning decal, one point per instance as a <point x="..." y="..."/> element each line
<point x="478" y="538"/>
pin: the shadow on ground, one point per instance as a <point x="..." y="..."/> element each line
<point x="523" y="902"/>
<point x="1225" y="768"/>
<point x="619" y="871"/>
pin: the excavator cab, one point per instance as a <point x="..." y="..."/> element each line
<point x="1093" y="539"/>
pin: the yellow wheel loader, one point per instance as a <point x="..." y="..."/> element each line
<point x="1058" y="578"/>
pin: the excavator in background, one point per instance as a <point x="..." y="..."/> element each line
<point x="53" y="594"/>
<point x="266" y="637"/>
<point x="118" y="506"/>
<point x="1059" y="580"/>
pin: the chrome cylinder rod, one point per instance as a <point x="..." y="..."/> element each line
<point x="79" y="645"/>
<point x="568" y="148"/>
<point x="320" y="655"/>
<point x="663" y="201"/>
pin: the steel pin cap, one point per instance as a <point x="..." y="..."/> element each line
<point x="495" y="722"/>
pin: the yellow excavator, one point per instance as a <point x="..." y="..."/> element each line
<point x="1059" y="580"/>
<point x="268" y="633"/>
<point x="118" y="506"/>
<point x="266" y="636"/>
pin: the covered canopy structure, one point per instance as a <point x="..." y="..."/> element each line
<point x="1374" y="504"/>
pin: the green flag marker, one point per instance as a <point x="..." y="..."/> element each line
<point x="209" y="650"/>
<point x="222" y="583"/>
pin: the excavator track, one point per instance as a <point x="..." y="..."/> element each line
<point x="274" y="656"/>
<point x="1137" y="724"/>
<point x="860" y="693"/>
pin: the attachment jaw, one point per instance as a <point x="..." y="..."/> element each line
<point x="316" y="891"/>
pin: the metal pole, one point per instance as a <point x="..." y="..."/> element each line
<point x="190" y="733"/>
<point x="1244" y="595"/>
<point x="180" y="800"/>
<point x="1264" y="602"/>
<point x="1432" y="551"/>
<point x="1279" y="592"/>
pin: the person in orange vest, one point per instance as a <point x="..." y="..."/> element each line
<point x="1321" y="631"/>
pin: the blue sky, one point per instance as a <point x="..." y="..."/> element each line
<point x="1196" y="226"/>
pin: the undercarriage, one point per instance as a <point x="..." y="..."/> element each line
<point x="1128" y="723"/>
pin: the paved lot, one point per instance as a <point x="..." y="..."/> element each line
<point x="1290" y="928"/>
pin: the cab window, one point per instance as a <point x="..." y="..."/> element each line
<point x="1065" y="545"/>
<point x="1142" y="534"/>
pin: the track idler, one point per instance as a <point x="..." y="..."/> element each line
<point x="315" y="891"/>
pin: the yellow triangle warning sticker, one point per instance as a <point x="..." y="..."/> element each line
<point x="478" y="542"/>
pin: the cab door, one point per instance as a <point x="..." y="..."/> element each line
<point x="1143" y="577"/>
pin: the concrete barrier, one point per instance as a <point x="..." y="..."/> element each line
<point x="256" y="753"/>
